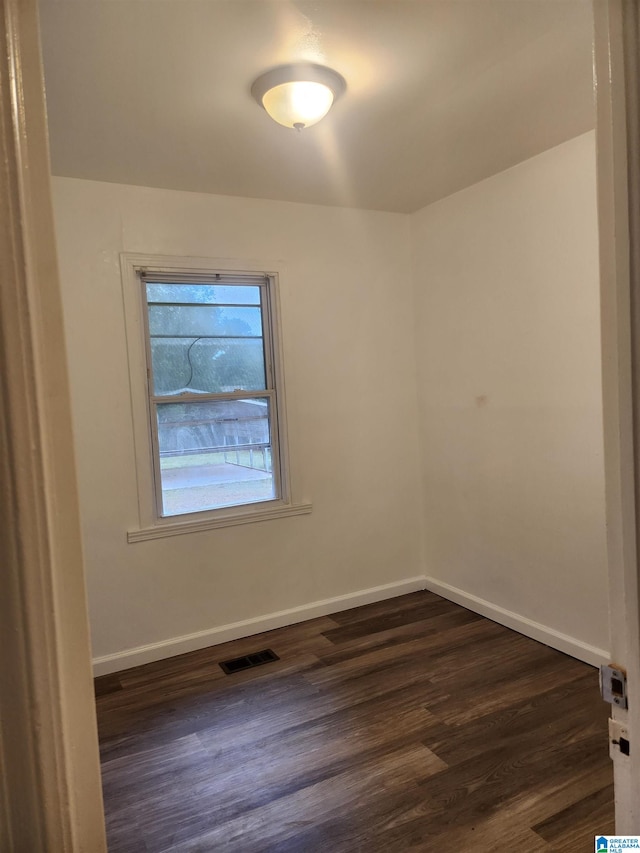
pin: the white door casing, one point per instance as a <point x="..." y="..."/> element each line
<point x="50" y="795"/>
<point x="618" y="151"/>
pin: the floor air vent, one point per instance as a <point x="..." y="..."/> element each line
<point x="248" y="661"/>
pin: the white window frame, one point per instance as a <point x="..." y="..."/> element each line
<point x="151" y="523"/>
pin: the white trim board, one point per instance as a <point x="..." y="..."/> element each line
<point x="238" y="630"/>
<point x="248" y="627"/>
<point x="543" y="634"/>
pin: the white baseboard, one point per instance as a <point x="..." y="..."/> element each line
<point x="237" y="630"/>
<point x="562" y="642"/>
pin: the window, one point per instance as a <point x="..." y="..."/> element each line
<point x="211" y="391"/>
<point x="207" y="395"/>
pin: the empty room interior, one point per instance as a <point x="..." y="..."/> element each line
<point x="337" y="407"/>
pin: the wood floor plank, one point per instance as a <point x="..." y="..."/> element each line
<point x="478" y="696"/>
<point x="405" y="725"/>
<point x="433" y="606"/>
<point x="504" y="836"/>
<point x="570" y="705"/>
<point x="107" y="684"/>
<point x="283" y="818"/>
<point x="538" y="804"/>
<point x="382" y="609"/>
<point x="309" y="754"/>
<point x="485" y="786"/>
<point x="435" y="628"/>
<point x="430" y="640"/>
<point x="573" y="826"/>
<point x="241" y="712"/>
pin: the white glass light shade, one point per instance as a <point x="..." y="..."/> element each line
<point x="298" y="95"/>
<point x="298" y="104"/>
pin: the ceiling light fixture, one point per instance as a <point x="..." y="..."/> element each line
<point x="298" y="95"/>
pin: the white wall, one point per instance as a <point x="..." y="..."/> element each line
<point x="507" y="319"/>
<point x="347" y="320"/>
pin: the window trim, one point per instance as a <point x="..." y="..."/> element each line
<point x="151" y="524"/>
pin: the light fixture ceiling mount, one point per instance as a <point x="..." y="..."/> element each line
<point x="298" y="95"/>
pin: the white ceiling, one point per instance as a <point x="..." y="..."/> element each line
<point x="440" y="93"/>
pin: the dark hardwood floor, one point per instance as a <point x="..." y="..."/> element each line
<point x="411" y="724"/>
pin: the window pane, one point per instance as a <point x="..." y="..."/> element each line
<point x="220" y="294"/>
<point x="204" y="365"/>
<point x="205" y="321"/>
<point x="214" y="454"/>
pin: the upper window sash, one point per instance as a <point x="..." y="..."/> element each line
<point x="189" y="320"/>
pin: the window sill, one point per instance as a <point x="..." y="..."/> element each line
<point x="177" y="528"/>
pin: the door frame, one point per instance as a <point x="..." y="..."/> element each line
<point x="50" y="793"/>
<point x="617" y="87"/>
